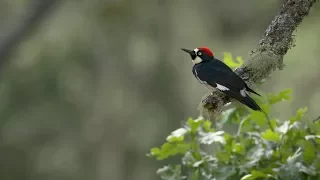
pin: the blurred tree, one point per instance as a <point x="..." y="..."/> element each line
<point x="34" y="13"/>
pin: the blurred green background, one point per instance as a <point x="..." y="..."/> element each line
<point x="100" y="82"/>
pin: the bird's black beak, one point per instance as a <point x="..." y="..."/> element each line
<point x="191" y="52"/>
<point x="187" y="50"/>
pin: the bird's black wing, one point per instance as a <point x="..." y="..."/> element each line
<point x="219" y="64"/>
<point x="217" y="74"/>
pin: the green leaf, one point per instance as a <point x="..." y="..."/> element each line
<point x="177" y="135"/>
<point x="198" y="163"/>
<point x="209" y="138"/>
<point x="255" y="175"/>
<point x="317" y="163"/>
<point x="245" y="125"/>
<point x="195" y="175"/>
<point x="228" y="137"/>
<point x="255" y="153"/>
<point x="266" y="107"/>
<point x="283" y="95"/>
<point x="230" y="62"/>
<point x="228" y="115"/>
<point x="259" y="118"/>
<point x="312" y="137"/>
<point x="175" y="139"/>
<point x="309" y="152"/>
<point x="223" y="156"/>
<point x="169" y="149"/>
<point x="237" y="148"/>
<point x="207" y="126"/>
<point x="284" y="128"/>
<point x="155" y="151"/>
<point x="225" y="173"/>
<point x="194" y="124"/>
<point x="289" y="152"/>
<point x="270" y="136"/>
<point x="170" y="172"/>
<point x="300" y="113"/>
<point x="273" y="123"/>
<point x="294" y="158"/>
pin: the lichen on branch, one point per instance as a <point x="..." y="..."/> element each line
<point x="275" y="43"/>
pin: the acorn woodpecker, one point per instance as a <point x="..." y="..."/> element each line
<point x="215" y="74"/>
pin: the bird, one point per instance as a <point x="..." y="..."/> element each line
<point x="215" y="74"/>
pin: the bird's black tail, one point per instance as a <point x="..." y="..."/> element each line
<point x="252" y="91"/>
<point x="248" y="101"/>
<point x="253" y="105"/>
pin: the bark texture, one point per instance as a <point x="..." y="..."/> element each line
<point x="275" y="43"/>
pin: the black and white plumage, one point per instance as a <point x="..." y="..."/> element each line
<point x="215" y="74"/>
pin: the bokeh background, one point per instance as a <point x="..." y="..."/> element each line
<point x="96" y="83"/>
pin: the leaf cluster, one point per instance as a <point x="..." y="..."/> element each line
<point x="255" y="151"/>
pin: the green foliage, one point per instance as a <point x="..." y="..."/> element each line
<point x="291" y="151"/>
<point x="284" y="95"/>
<point x="230" y="62"/>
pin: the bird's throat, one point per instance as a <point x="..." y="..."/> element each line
<point x="197" y="60"/>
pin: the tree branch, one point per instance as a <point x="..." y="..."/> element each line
<point x="268" y="57"/>
<point x="36" y="12"/>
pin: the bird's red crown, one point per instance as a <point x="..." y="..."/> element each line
<point x="206" y="50"/>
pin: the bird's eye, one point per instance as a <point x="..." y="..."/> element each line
<point x="199" y="53"/>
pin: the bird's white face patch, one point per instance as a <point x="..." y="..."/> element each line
<point x="197" y="60"/>
<point x="222" y="88"/>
